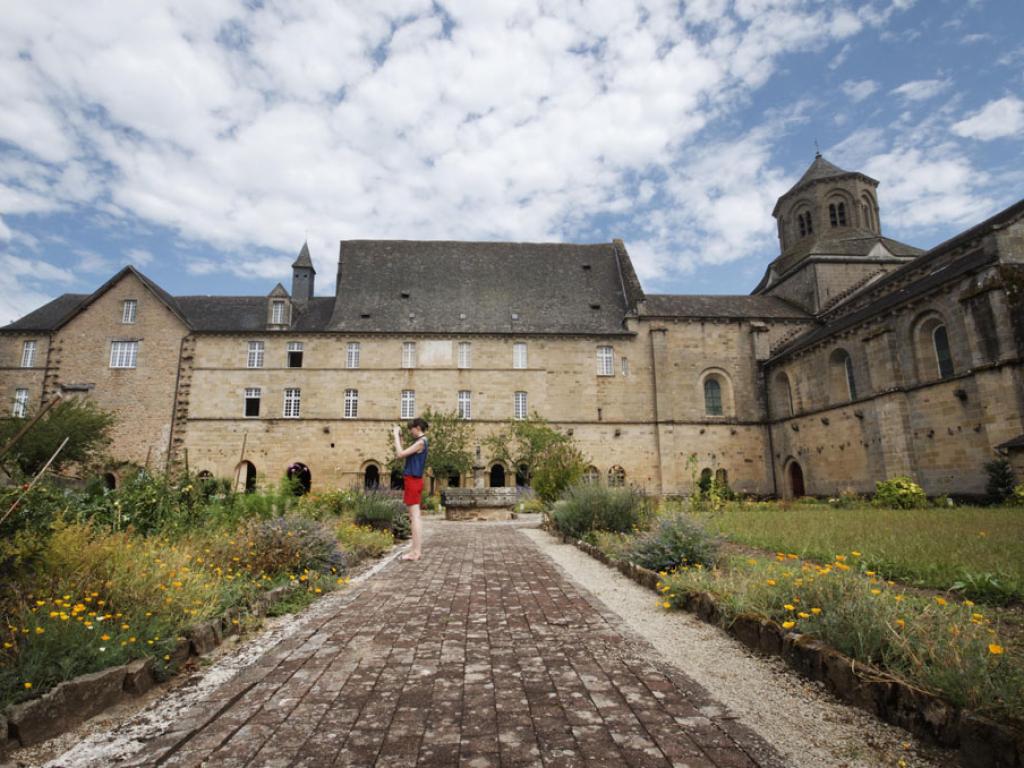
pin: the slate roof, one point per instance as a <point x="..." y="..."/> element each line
<point x="724" y="307"/>
<point x="49" y="316"/>
<point x="819" y="170"/>
<point x="303" y="259"/>
<point x="225" y="314"/>
<point x="1017" y="442"/>
<point x="407" y="286"/>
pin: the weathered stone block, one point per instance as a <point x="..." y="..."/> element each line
<point x="139" y="676"/>
<point x="984" y="744"/>
<point x="707" y="608"/>
<point x="747" y="629"/>
<point x="204" y="637"/>
<point x="69" y="704"/>
<point x="771" y="638"/>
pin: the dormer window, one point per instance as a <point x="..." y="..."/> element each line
<point x="277" y="312"/>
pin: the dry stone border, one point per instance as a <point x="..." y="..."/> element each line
<point x="74" y="701"/>
<point x="981" y="742"/>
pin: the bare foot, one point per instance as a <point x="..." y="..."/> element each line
<point x="410" y="556"/>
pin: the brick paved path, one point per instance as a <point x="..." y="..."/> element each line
<point x="482" y="654"/>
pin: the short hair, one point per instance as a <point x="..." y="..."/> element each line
<point x="418" y="422"/>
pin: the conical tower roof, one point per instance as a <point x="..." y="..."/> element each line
<point x="303" y="259"/>
<point x="819" y="170"/>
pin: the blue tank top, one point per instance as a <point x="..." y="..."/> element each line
<point x="415" y="464"/>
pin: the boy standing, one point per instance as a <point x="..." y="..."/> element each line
<point x="412" y="480"/>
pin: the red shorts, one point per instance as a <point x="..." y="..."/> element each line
<point x="413" y="487"/>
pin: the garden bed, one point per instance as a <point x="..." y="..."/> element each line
<point x="982" y="742"/>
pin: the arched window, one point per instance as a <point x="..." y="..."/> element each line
<point x="807" y="222"/>
<point x="943" y="358"/>
<point x="867" y="212"/>
<point x="245" y="477"/>
<point x="842" y="384"/>
<point x="782" y="396"/>
<point x="712" y="397"/>
<point x="704" y="484"/>
<point x="498" y="476"/>
<point x="800" y="224"/>
<point x="837" y="214"/>
<point x="932" y="352"/>
<point x="722" y="478"/>
<point x="591" y="476"/>
<point x="616" y="477"/>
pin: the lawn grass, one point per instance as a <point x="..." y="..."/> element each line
<point x="977" y="550"/>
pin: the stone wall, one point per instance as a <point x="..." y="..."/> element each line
<point x="14" y="377"/>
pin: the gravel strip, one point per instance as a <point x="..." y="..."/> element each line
<point x="806" y="724"/>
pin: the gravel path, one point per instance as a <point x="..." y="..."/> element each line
<point x="807" y="725"/>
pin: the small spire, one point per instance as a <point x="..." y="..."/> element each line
<point x="304" y="259"/>
<point x="817" y="149"/>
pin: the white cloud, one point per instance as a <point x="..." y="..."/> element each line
<point x="997" y="119"/>
<point x="858" y="90"/>
<point x="251" y="126"/>
<point x="92" y="262"/>
<point x="25" y="285"/>
<point x="921" y="90"/>
<point x="5" y="232"/>
<point x="138" y="256"/>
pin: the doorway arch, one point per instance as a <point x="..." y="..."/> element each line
<point x="522" y="476"/>
<point x="396" y="480"/>
<point x="303" y="478"/>
<point x="371" y="477"/>
<point x="497" y="479"/>
<point x="110" y="481"/>
<point x="245" y="477"/>
<point x="795" y="478"/>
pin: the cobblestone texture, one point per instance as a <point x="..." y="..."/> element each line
<point x="482" y="654"/>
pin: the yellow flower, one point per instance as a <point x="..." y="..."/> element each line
<point x="815" y="611"/>
<point x="40" y="630"/>
<point x="969" y="603"/>
<point x="840" y="558"/>
<point x="789" y="607"/>
<point x="27" y="686"/>
<point x="751" y="561"/>
<point x="898" y="598"/>
<point x="977" y="618"/>
<point x="901" y="623"/>
<point x="870" y="573"/>
<point x="104" y="637"/>
<point x="855" y="553"/>
<point x="876" y="591"/>
<point x="666" y="604"/>
<point x="788" y="624"/>
<point x="804" y="615"/>
<point x="771" y="582"/>
<point x="995" y="649"/>
<point x="941" y="600"/>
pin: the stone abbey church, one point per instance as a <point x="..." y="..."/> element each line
<point x="855" y="359"/>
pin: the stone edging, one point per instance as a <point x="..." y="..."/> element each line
<point x="982" y="743"/>
<point x="74" y="701"/>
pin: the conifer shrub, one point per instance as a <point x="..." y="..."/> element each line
<point x="999" y="486"/>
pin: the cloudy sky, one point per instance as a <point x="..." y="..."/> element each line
<point x="205" y="140"/>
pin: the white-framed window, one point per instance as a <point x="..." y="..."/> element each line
<point x="20" y="407"/>
<point x="409" y="354"/>
<point x="605" y="361"/>
<point x="292" y="402"/>
<point x="465" y="404"/>
<point x="124" y="354"/>
<point x="519" y="411"/>
<point x="519" y="354"/>
<point x="28" y="354"/>
<point x="129" y="309"/>
<point x="625" y="365"/>
<point x="465" y="354"/>
<point x="295" y="354"/>
<point x="408" y="403"/>
<point x="352" y="355"/>
<point x="255" y="359"/>
<point x="277" y="312"/>
<point x="351" y="403"/>
<point x="252" y="401"/>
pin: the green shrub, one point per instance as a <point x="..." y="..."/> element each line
<point x="360" y="542"/>
<point x="86" y="426"/>
<point x="1018" y="496"/>
<point x="532" y="506"/>
<point x="846" y="500"/>
<point x="674" y="541"/>
<point x="293" y="545"/>
<point x="382" y="510"/>
<point x="325" y="506"/>
<point x="591" y="507"/>
<point x="899" y="493"/>
<point x="559" y="466"/>
<point x="1000" y="480"/>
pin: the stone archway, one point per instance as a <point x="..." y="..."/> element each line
<point x="497" y="478"/>
<point x="110" y="481"/>
<point x="371" y="477"/>
<point x="303" y="478"/>
<point x="795" y="478"/>
<point x="245" y="477"/>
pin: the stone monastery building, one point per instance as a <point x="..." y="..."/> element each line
<point x="856" y="358"/>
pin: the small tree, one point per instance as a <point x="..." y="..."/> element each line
<point x="86" y="425"/>
<point x="1000" y="480"/>
<point x="448" y="438"/>
<point x="552" y="459"/>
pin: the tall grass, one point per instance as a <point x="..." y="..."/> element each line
<point x="979" y="550"/>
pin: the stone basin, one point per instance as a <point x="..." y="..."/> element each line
<point x="479" y="503"/>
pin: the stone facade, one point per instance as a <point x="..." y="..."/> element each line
<point x="857" y="358"/>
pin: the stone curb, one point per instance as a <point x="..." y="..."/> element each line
<point x="74" y="701"/>
<point x="982" y="743"/>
